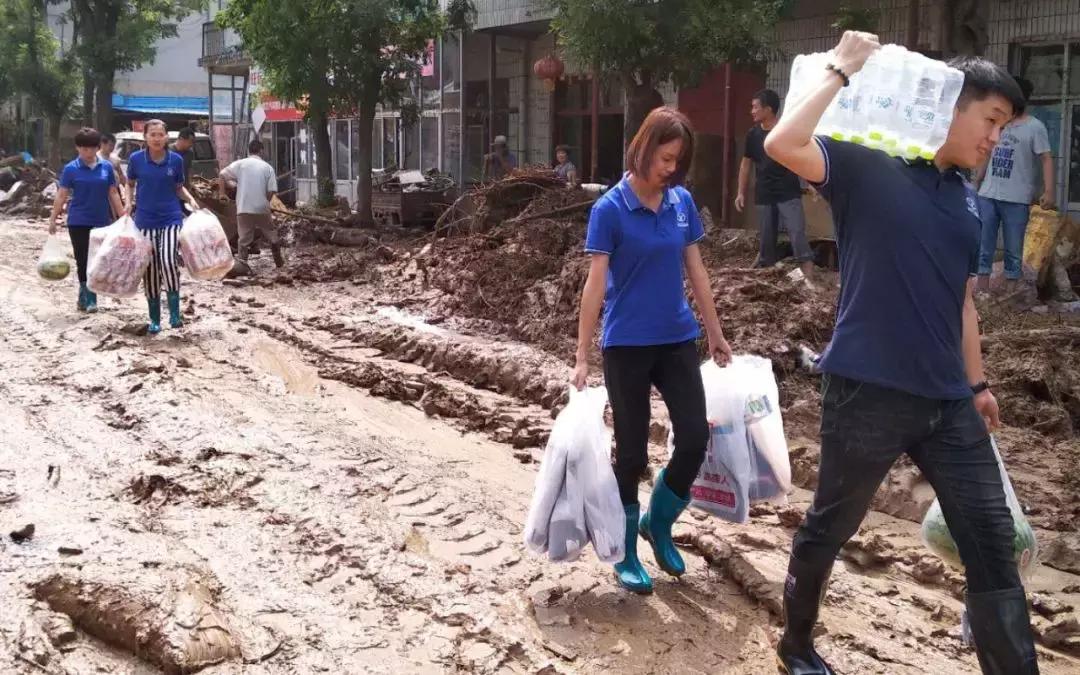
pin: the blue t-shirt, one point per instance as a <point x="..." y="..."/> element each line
<point x="645" y="303"/>
<point x="156" y="205"/>
<point x="908" y="236"/>
<point x="89" y="186"/>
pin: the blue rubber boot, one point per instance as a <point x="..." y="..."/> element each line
<point x="89" y="300"/>
<point x="630" y="572"/>
<point x="81" y="304"/>
<point x="175" y="318"/>
<point x="664" y="509"/>
<point x="154" y="327"/>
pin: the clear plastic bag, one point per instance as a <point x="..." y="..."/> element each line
<point x="118" y="268"/>
<point x="97" y="236"/>
<point x="747" y="457"/>
<point x="53" y="263"/>
<point x="576" y="499"/>
<point x="936" y="535"/>
<point x="205" y="247"/>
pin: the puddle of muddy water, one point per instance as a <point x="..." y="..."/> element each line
<point x="298" y="377"/>
<point x="410" y="320"/>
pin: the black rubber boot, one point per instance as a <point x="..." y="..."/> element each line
<point x="803" y="591"/>
<point x="279" y="259"/>
<point x="1003" y="640"/>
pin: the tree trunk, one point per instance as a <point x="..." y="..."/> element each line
<point x="363" y="170"/>
<point x="324" y="166"/>
<point x="88" y="98"/>
<point x="104" y="111"/>
<point x="641" y="99"/>
<point x="55" y="122"/>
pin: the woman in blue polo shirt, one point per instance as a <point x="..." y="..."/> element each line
<point x="642" y="234"/>
<point x="90" y="184"/>
<point x="155" y="182"/>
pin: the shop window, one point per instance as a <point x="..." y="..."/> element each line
<point x="341" y="150"/>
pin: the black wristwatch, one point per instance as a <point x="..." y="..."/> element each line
<point x="980" y="387"/>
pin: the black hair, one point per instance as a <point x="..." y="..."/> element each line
<point x="768" y="99"/>
<point x="1026" y="88"/>
<point x="106" y="137"/>
<point x="984" y="78"/>
<point x="187" y="133"/>
<point x="255" y="147"/>
<point x="563" y="148"/>
<point x="88" y="138"/>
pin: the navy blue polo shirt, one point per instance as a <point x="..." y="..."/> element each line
<point x="908" y="236"/>
<point x="89" y="186"/>
<point x="645" y="303"/>
<point x="156" y="205"/>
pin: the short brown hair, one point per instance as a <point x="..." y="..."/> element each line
<point x="662" y="126"/>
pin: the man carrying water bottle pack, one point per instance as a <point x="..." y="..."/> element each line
<point x="904" y="372"/>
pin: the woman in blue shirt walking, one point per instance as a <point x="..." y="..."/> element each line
<point x="90" y="184"/>
<point x="155" y="181"/>
<point x="642" y="234"/>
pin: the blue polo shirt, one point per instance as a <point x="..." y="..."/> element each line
<point x="908" y="236"/>
<point x="89" y="186"/>
<point x="156" y="205"/>
<point x="645" y="303"/>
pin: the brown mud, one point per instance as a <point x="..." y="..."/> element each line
<point x="321" y="477"/>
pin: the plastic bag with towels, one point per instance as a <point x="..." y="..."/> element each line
<point x="747" y="457"/>
<point x="205" y="247"/>
<point x="576" y="499"/>
<point x="119" y="264"/>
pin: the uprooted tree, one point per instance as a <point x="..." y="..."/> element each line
<point x="647" y="42"/>
<point x="342" y="57"/>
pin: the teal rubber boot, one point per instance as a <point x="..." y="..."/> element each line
<point x="175" y="318"/>
<point x="154" y="327"/>
<point x="81" y="304"/>
<point x="630" y="573"/>
<point x="664" y="509"/>
<point x="90" y="300"/>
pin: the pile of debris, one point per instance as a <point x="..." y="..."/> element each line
<point x="26" y="188"/>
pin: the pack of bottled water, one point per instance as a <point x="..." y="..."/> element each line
<point x="901" y="102"/>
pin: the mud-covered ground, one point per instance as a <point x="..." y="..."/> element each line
<point x="327" y="470"/>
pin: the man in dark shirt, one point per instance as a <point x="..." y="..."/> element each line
<point x="777" y="193"/>
<point x="904" y="373"/>
<point x="185" y="142"/>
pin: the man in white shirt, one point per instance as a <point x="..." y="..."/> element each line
<point x="256" y="184"/>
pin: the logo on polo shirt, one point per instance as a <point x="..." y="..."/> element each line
<point x="682" y="222"/>
<point x="170" y="171"/>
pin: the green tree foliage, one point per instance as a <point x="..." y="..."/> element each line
<point x="646" y="42"/>
<point x="341" y="57"/>
<point x="115" y="36"/>
<point x="33" y="65"/>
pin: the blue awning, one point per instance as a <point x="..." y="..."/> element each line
<point x="197" y="106"/>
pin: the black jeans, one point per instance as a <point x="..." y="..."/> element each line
<point x="80" y="241"/>
<point x="864" y="428"/>
<point x="630" y="373"/>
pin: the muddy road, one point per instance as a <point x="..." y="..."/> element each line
<point x="301" y="481"/>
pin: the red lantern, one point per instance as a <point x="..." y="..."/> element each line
<point x="549" y="69"/>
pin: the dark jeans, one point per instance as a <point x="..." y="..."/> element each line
<point x="630" y="373"/>
<point x="80" y="241"/>
<point x="864" y="428"/>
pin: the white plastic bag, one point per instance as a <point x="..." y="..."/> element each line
<point x="747" y="457"/>
<point x="97" y="236"/>
<point x="605" y="519"/>
<point x="205" y="247"/>
<point x="576" y="498"/>
<point x="936" y="535"/>
<point x="53" y="262"/>
<point x="118" y="268"/>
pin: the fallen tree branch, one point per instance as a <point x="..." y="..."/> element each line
<point x="307" y="216"/>
<point x="1035" y="335"/>
<point x="549" y="214"/>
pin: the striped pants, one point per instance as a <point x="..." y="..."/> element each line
<point x="163" y="268"/>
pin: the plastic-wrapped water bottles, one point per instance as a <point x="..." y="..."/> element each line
<point x="900" y="102"/>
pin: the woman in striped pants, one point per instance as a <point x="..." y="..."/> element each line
<point x="156" y="186"/>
